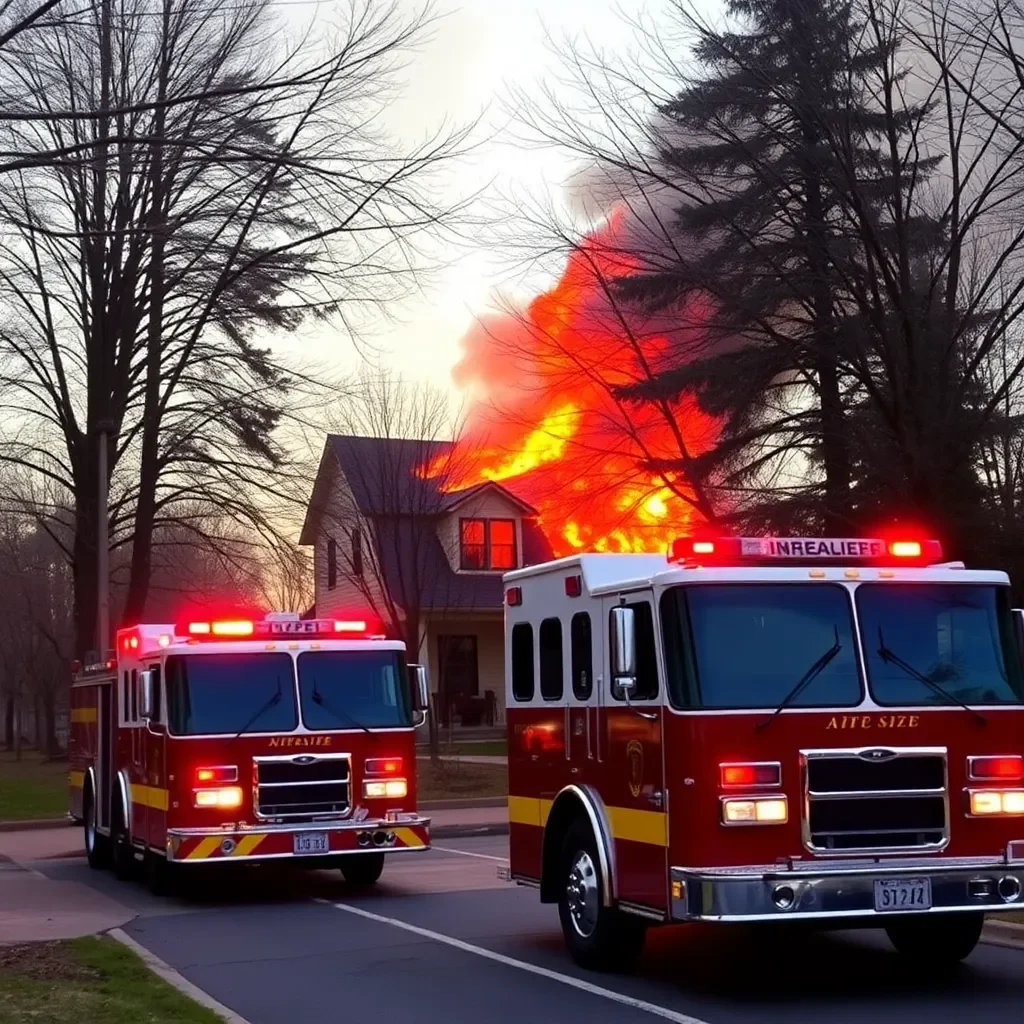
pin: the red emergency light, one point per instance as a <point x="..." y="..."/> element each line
<point x="728" y="550"/>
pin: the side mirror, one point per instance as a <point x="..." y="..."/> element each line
<point x="623" y="651"/>
<point x="146" y="696"/>
<point x="419" y="692"/>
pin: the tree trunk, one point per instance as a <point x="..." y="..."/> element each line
<point x="9" y="722"/>
<point x="84" y="554"/>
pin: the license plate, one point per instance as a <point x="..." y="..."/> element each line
<point x="310" y="842"/>
<point x="907" y="894"/>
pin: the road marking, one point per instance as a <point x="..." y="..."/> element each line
<point x="466" y="853"/>
<point x="467" y="947"/>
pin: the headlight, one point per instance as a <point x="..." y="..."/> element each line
<point x="392" y="789"/>
<point x="772" y="810"/>
<point x="225" y="798"/>
<point x="988" y="802"/>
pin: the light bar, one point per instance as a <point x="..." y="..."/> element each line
<point x="272" y="627"/>
<point x="725" y="550"/>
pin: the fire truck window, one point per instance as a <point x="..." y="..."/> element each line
<point x="959" y="636"/>
<point x="522" y="661"/>
<point x="351" y="689"/>
<point x="551" y="684"/>
<point x="748" y="645"/>
<point x="582" y="656"/>
<point x="224" y="694"/>
<point x="157" y="702"/>
<point x="135" y="695"/>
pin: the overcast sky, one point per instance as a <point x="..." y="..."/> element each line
<point x="478" y="50"/>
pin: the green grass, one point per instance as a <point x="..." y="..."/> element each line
<point x="94" y="980"/>
<point x="32" y="788"/>
<point x="472" y="748"/>
<point x="453" y="781"/>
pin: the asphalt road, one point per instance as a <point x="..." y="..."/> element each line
<point x="441" y="939"/>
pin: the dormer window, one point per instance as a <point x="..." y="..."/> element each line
<point x="488" y="544"/>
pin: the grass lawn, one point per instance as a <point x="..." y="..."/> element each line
<point x="32" y="788"/>
<point x="471" y="748"/>
<point x="93" y="980"/>
<point x="454" y="781"/>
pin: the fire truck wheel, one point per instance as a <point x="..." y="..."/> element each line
<point x="122" y="855"/>
<point x="598" y="937"/>
<point x="362" y="868"/>
<point x="936" y="938"/>
<point x="97" y="845"/>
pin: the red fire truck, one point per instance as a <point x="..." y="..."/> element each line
<point x="235" y="741"/>
<point x="766" y="730"/>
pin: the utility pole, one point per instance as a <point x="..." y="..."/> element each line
<point x="103" y="430"/>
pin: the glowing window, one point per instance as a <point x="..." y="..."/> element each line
<point x="487" y="544"/>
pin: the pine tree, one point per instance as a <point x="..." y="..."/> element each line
<point x="773" y="146"/>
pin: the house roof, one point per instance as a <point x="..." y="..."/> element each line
<point x="384" y="475"/>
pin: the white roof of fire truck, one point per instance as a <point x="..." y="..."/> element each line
<point x="759" y="560"/>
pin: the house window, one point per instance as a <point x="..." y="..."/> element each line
<point x="457" y="657"/>
<point x="357" y="552"/>
<point x="488" y="544"/>
<point x="332" y="564"/>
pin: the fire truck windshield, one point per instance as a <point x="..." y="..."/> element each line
<point x="353" y="689"/>
<point x="748" y="645"/>
<point x="939" y="643"/>
<point x="213" y="694"/>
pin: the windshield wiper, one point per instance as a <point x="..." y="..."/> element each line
<point x="889" y="656"/>
<point x="318" y="699"/>
<point x="273" y="700"/>
<point x="804" y="681"/>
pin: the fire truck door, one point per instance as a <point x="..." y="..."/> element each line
<point x="632" y="769"/>
<point x="151" y="737"/>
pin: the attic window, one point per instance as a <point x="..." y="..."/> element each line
<point x="488" y="544"/>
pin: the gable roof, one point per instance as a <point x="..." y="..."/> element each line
<point x="384" y="475"/>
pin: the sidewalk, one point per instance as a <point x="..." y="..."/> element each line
<point x="498" y="762"/>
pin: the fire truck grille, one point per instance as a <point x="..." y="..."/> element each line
<point x="875" y="800"/>
<point x="303" y="788"/>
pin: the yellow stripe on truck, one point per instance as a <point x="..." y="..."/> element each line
<point x="627" y="823"/>
<point x="205" y="848"/>
<point x="247" y="845"/>
<point x="408" y="838"/>
<point x="76" y="779"/>
<point x="149" y="796"/>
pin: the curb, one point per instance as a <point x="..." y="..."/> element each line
<point x="35" y="825"/>
<point x="1003" y="933"/>
<point x="172" y="977"/>
<point x="462" y="805"/>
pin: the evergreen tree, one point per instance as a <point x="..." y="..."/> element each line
<point x="775" y="147"/>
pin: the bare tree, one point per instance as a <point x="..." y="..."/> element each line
<point x="205" y="205"/>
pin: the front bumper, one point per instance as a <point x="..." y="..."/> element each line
<point x="408" y="833"/>
<point x="838" y="889"/>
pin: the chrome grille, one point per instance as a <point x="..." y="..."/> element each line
<point x="303" y="786"/>
<point x="875" y="799"/>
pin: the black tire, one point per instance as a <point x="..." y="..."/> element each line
<point x="362" y="868"/>
<point x="162" y="877"/>
<point x="97" y="845"/>
<point x="936" y="939"/>
<point x="599" y="938"/>
<point x="122" y="854"/>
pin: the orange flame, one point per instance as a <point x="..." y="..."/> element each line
<point x="551" y="427"/>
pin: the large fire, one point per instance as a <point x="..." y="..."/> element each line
<point x="547" y="423"/>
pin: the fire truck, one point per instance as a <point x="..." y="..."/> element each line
<point x="754" y="729"/>
<point x="238" y="741"/>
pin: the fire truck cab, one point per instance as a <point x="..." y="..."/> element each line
<point x="241" y="741"/>
<point x="758" y="729"/>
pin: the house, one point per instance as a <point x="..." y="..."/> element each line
<point x="424" y="557"/>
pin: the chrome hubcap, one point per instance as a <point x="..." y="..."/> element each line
<point x="581" y="894"/>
